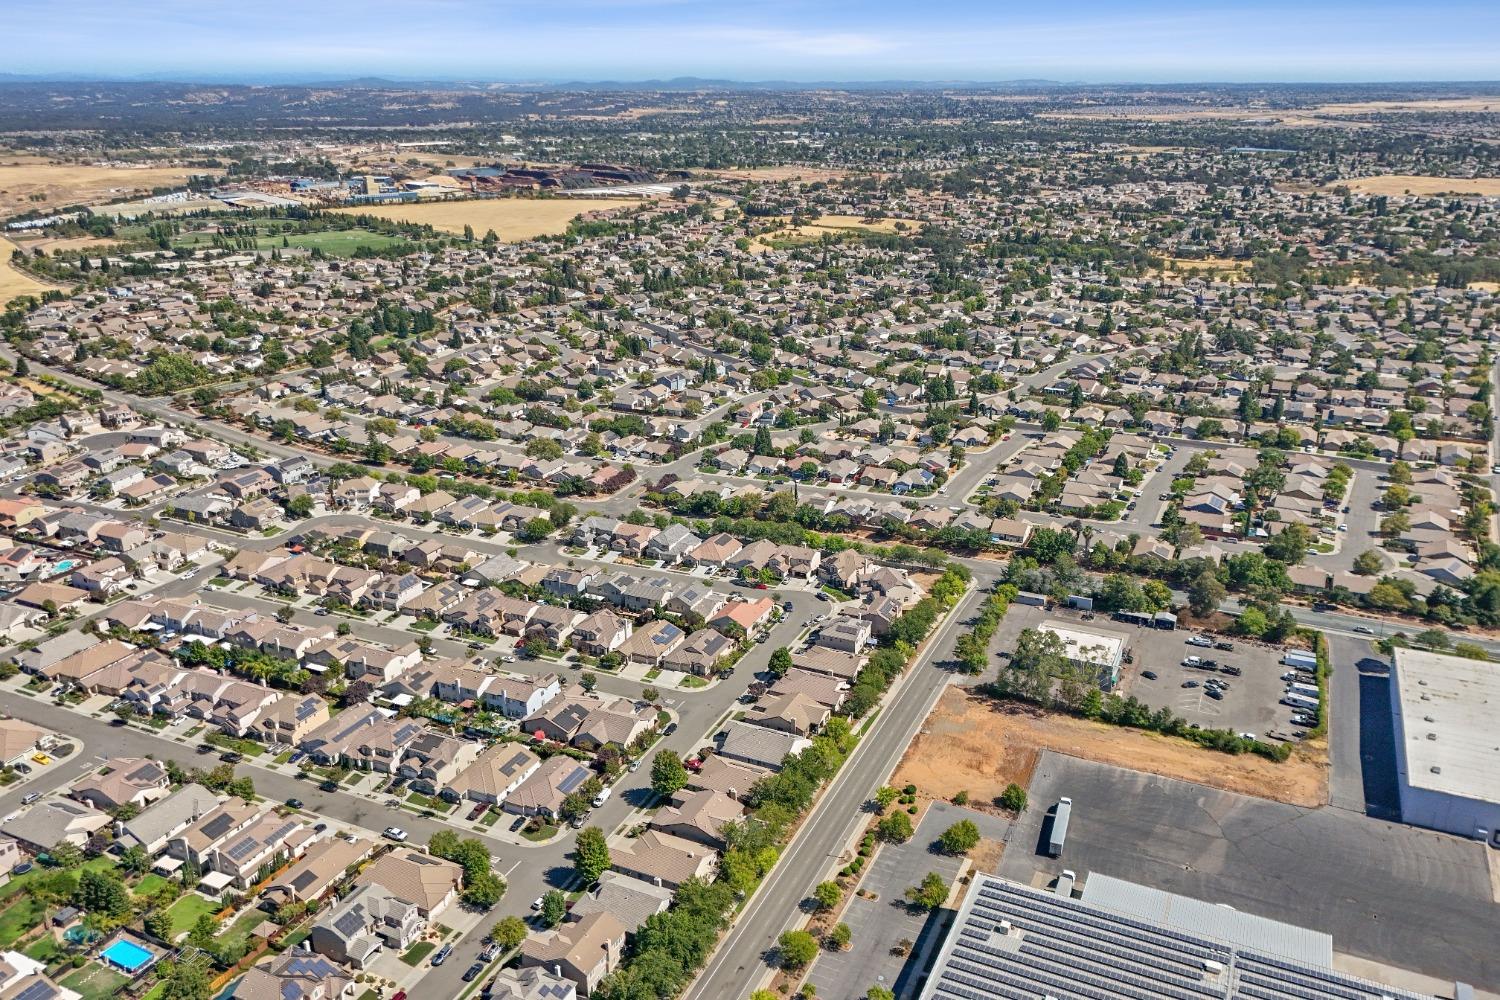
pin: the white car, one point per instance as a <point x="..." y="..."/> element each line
<point x="1200" y="640"/>
<point x="536" y="904"/>
<point x="395" y="833"/>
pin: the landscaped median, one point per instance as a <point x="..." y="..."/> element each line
<point x="671" y="947"/>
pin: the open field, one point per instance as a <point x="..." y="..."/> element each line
<point x="1456" y="104"/>
<point x="51" y="244"/>
<point x="1222" y="266"/>
<point x="790" y="172"/>
<point x="971" y="744"/>
<point x="831" y="224"/>
<point x="512" y="219"/>
<point x="61" y="184"/>
<point x="1397" y="184"/>
<point x="335" y="243"/>
<point x="13" y="282"/>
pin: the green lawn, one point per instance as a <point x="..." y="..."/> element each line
<point x="95" y="982"/>
<point x="44" y="949"/>
<point x="186" y="911"/>
<point x="417" y="952"/>
<point x="150" y="884"/>
<point x="17" y="919"/>
<point x="334" y="243"/>
<point x="546" y="830"/>
<point x="239" y="931"/>
<point x="490" y="818"/>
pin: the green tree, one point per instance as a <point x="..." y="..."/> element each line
<point x="884" y="796"/>
<point x="668" y="775"/>
<point x="1051" y="421"/>
<point x="960" y="838"/>
<point x="509" y="933"/>
<point x="590" y="854"/>
<point x="827" y="895"/>
<point x="1368" y="563"/>
<point x="879" y="993"/>
<point x="895" y="827"/>
<point x="795" y="949"/>
<point x="1205" y="593"/>
<point x="554" y="908"/>
<point x="932" y="893"/>
<point x="1013" y="799"/>
<point x="484" y="890"/>
<point x="781" y="661"/>
<point x="1252" y="622"/>
<point x="839" y="937"/>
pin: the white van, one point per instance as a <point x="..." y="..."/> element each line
<point x="601" y="798"/>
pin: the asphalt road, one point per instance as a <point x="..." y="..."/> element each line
<point x="740" y="961"/>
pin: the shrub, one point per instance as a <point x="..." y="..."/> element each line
<point x="1013" y="799"/>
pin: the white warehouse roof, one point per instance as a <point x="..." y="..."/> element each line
<point x="1448" y="708"/>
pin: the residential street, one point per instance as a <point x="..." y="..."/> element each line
<point x="740" y="962"/>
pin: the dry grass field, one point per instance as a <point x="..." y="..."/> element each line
<point x="512" y="219"/>
<point x="61" y="184"/>
<point x="1399" y="184"/>
<point x="1450" y="104"/>
<point x="972" y="745"/>
<point x="1187" y="267"/>
<point x="791" y="172"/>
<point x="13" y="282"/>
<point x="826" y="224"/>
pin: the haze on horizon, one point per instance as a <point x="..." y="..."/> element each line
<point x="1091" y="41"/>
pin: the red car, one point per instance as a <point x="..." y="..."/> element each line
<point x="762" y="586"/>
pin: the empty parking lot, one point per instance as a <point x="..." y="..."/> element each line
<point x="1385" y="892"/>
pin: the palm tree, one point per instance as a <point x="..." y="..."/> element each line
<point x="1076" y="527"/>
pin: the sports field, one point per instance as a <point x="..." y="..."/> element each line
<point x="512" y="219"/>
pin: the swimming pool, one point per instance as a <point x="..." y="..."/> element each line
<point x="126" y="955"/>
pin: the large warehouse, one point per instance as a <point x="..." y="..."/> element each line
<point x="1124" y="941"/>
<point x="1443" y="710"/>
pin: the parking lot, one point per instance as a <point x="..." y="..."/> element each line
<point x="1385" y="892"/>
<point x="882" y="923"/>
<point x="1248" y="701"/>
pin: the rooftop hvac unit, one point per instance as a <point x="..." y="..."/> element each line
<point x="1212" y="967"/>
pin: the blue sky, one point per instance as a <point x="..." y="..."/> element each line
<point x="559" y="40"/>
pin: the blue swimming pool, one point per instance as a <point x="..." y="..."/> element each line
<point x="126" y="955"/>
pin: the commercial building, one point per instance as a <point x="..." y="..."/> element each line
<point x="1447" y="764"/>
<point x="1100" y="653"/>
<point x="1123" y="941"/>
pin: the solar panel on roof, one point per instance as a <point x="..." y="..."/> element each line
<point x="39" y="990"/>
<point x="350" y="923"/>
<point x="242" y="849"/>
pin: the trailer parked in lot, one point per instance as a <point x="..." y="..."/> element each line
<point x="1059" y="833"/>
<point x="1311" y="690"/>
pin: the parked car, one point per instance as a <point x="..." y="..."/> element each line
<point x="536" y="904"/>
<point x="30" y="797"/>
<point x="1215" y="694"/>
<point x="294" y="803"/>
<point x="1189" y="684"/>
<point x="442" y="954"/>
<point x="1225" y="645"/>
<point x="397" y="834"/>
<point x="1199" y="640"/>
<point x="232" y="757"/>
<point x="473" y="971"/>
<point x="1150" y="675"/>
<point x="1232" y="671"/>
<point x="329" y="785"/>
<point x="1192" y="661"/>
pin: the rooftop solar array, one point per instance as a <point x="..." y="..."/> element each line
<point x="1013" y="942"/>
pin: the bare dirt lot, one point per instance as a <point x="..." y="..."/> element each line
<point x="1397" y="184"/>
<point x="1187" y="267"/>
<point x="55" y="185"/>
<point x="512" y="219"/>
<point x="13" y="282"/>
<point x="972" y="744"/>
